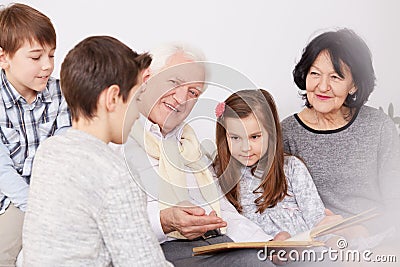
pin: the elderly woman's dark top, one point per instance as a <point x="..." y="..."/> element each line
<point x="355" y="167"/>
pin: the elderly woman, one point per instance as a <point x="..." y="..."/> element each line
<point x="352" y="150"/>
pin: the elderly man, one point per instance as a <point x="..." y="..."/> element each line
<point x="185" y="207"/>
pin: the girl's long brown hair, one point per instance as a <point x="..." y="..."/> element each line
<point x="273" y="186"/>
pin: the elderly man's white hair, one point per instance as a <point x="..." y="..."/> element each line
<point x="162" y="53"/>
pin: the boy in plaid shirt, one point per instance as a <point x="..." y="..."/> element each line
<point x="32" y="108"/>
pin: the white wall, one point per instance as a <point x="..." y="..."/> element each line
<point x="262" y="39"/>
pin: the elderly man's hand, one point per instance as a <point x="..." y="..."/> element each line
<point x="191" y="222"/>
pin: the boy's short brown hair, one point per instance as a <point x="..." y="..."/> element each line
<point x="20" y="23"/>
<point x="95" y="64"/>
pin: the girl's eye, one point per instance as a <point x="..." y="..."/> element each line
<point x="35" y="58"/>
<point x="255" y="136"/>
<point x="234" y="138"/>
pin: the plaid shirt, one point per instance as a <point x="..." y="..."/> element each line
<point x="23" y="127"/>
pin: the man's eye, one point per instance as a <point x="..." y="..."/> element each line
<point x="194" y="93"/>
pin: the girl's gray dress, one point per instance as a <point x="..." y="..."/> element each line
<point x="296" y="213"/>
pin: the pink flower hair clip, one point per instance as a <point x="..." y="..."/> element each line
<point x="219" y="109"/>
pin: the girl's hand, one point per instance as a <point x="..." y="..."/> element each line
<point x="329" y="218"/>
<point x="281" y="236"/>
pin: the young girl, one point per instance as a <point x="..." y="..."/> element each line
<point x="274" y="190"/>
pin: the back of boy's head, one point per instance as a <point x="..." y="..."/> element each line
<point x="95" y="64"/>
<point x="20" y="23"/>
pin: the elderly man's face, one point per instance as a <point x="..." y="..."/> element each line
<point x="172" y="93"/>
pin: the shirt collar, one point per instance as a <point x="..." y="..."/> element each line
<point x="11" y="96"/>
<point x="45" y="95"/>
<point x="246" y="171"/>
<point x="156" y="130"/>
